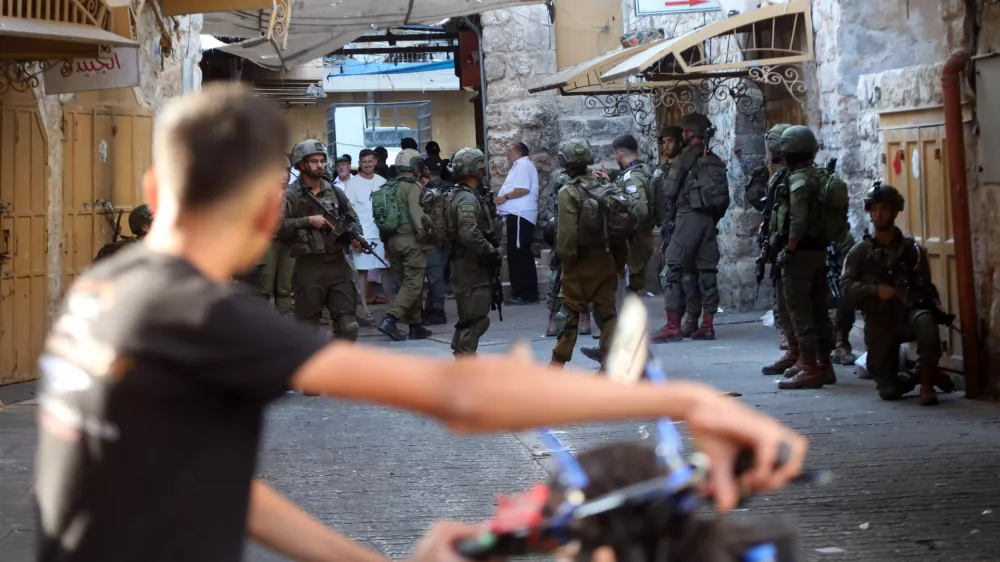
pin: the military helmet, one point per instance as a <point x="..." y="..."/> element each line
<point x="288" y="163"/>
<point x="670" y="131"/>
<point x="140" y="218"/>
<point x="773" y="137"/>
<point x="884" y="193"/>
<point x="405" y="159"/>
<point x="798" y="139"/>
<point x="307" y="148"/>
<point x="698" y="124"/>
<point x="576" y="152"/>
<point x="467" y="162"/>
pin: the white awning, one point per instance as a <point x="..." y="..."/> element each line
<point x="318" y="27"/>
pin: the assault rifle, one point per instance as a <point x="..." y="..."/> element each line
<point x="117" y="240"/>
<point x="914" y="292"/>
<point x="496" y="286"/>
<point x="343" y="226"/>
<point x="833" y="273"/>
<point x="764" y="234"/>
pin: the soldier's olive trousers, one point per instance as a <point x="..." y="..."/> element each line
<point x="553" y="301"/>
<point x="409" y="265"/>
<point x="470" y="279"/>
<point x="437" y="261"/>
<point x="806" y="296"/>
<point x="591" y="280"/>
<point x="885" y="332"/>
<point x="692" y="260"/>
<point x="326" y="282"/>
<point x="640" y="250"/>
<point x="276" y="275"/>
<point x="783" y="316"/>
<point x="845" y="309"/>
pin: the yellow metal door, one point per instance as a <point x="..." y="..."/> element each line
<point x="916" y="163"/>
<point x="106" y="153"/>
<point x="779" y="111"/>
<point x="23" y="246"/>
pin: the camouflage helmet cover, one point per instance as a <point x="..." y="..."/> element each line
<point x="576" y="152"/>
<point x="798" y="139"/>
<point x="307" y="148"/>
<point x="670" y="131"/>
<point x="140" y="218"/>
<point x="405" y="159"/>
<point x="773" y="137"/>
<point x="884" y="193"/>
<point x="467" y="162"/>
<point x="288" y="163"/>
<point x="698" y="124"/>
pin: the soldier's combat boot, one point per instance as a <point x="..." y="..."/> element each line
<point x="794" y="369"/>
<point x="431" y="317"/>
<point x="707" y="329"/>
<point x="389" y="328"/>
<point x="826" y="367"/>
<point x="690" y="325"/>
<point x="552" y="330"/>
<point x="781" y="365"/>
<point x="584" y="328"/>
<point x="670" y="332"/>
<point x="810" y="376"/>
<point x="931" y="376"/>
<point x="418" y="332"/>
<point x="593" y="353"/>
<point x="844" y="355"/>
<point x="783" y="340"/>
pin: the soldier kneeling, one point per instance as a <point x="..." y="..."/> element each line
<point x="888" y="276"/>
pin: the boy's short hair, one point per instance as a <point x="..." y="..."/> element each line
<point x="210" y="144"/>
<point x="626" y="142"/>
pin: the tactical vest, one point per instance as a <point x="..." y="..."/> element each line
<point x="316" y="241"/>
<point x="707" y="186"/>
<point x="646" y="200"/>
<point x="435" y="199"/>
<point x="608" y="211"/>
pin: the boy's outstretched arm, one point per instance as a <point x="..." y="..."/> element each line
<point x="498" y="393"/>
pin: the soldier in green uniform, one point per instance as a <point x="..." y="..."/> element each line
<point x="770" y="249"/>
<point x="139" y="222"/>
<point x="437" y="255"/>
<point x="548" y="199"/>
<point x="277" y="265"/>
<point x="590" y="271"/>
<point x="693" y="178"/>
<point x="637" y="177"/>
<point x="323" y="277"/>
<point x="671" y="142"/>
<point x="405" y="245"/>
<point x="843" y="353"/>
<point x="475" y="249"/>
<point x="800" y="225"/>
<point x="888" y="276"/>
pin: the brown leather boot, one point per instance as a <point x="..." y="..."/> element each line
<point x="844" y="355"/>
<point x="783" y="340"/>
<point x="552" y="330"/>
<point x="810" y="377"/>
<point x="794" y="369"/>
<point x="690" y="325"/>
<point x="931" y="376"/>
<point x="707" y="329"/>
<point x="781" y="365"/>
<point x="826" y="367"/>
<point x="584" y="328"/>
<point x="670" y="332"/>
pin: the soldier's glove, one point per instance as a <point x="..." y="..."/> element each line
<point x="784" y="256"/>
<point x="493" y="257"/>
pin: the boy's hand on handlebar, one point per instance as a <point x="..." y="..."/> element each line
<point x="438" y="545"/>
<point x="722" y="427"/>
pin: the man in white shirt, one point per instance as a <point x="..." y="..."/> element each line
<point x="517" y="203"/>
<point x="343" y="167"/>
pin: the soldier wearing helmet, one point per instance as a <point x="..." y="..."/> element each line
<point x="697" y="184"/>
<point x="323" y="276"/>
<point x="888" y="277"/>
<point x="548" y="207"/>
<point x="590" y="270"/>
<point x="799" y="237"/>
<point x="671" y="144"/>
<point x="405" y="245"/>
<point x="278" y="264"/>
<point x="474" y="233"/>
<point x="139" y="222"/>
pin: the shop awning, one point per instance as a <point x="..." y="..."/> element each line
<point x="779" y="34"/>
<point x="585" y="77"/>
<point x="304" y="30"/>
<point x="73" y="34"/>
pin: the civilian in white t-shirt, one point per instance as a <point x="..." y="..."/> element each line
<point x="517" y="203"/>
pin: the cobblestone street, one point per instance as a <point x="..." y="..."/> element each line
<point x="911" y="483"/>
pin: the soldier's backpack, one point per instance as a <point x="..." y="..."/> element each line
<point x="113" y="248"/>
<point x="607" y="211"/>
<point x="434" y="201"/>
<point x="709" y="185"/>
<point x="834" y="203"/>
<point x="388" y="210"/>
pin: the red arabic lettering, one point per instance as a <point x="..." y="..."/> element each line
<point x="91" y="66"/>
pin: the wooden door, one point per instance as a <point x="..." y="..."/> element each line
<point x="916" y="164"/>
<point x="106" y="153"/>
<point x="785" y="110"/>
<point x="23" y="233"/>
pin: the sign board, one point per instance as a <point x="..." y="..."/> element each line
<point x="988" y="112"/>
<point x="661" y="7"/>
<point x="120" y="70"/>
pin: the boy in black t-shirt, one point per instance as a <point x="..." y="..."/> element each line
<point x="156" y="374"/>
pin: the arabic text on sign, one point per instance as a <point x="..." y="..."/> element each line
<point x="90" y="66"/>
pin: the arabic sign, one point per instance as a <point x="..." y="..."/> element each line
<point x="657" y="7"/>
<point x="120" y="70"/>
